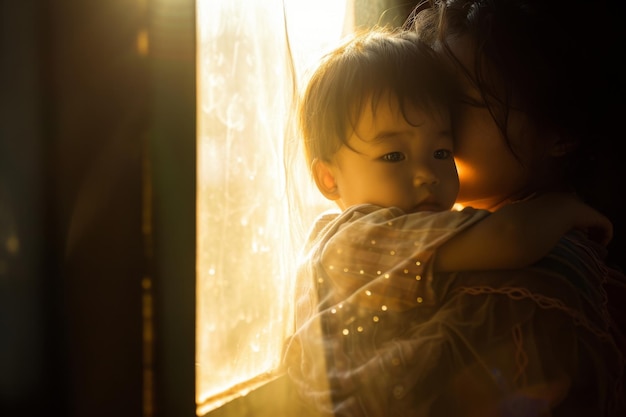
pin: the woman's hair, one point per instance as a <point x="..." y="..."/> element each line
<point x="366" y="68"/>
<point x="553" y="57"/>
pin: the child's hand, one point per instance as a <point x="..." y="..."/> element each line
<point x="597" y="226"/>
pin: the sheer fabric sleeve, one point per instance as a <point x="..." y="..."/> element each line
<point x="365" y="273"/>
<point x="542" y="341"/>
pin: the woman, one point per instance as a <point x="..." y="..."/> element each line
<point x="540" y="112"/>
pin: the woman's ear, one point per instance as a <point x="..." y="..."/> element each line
<point x="562" y="146"/>
<point x="325" y="179"/>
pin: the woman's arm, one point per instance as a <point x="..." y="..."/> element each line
<point x="520" y="234"/>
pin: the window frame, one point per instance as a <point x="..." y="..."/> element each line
<point x="170" y="228"/>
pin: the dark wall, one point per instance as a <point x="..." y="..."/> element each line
<point x="74" y="118"/>
<point x="96" y="119"/>
<point x="23" y="342"/>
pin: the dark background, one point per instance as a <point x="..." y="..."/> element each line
<point x="81" y="125"/>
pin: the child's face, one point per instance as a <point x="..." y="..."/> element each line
<point x="397" y="164"/>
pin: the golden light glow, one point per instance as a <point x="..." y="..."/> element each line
<point x="142" y="43"/>
<point x="466" y="173"/>
<point x="244" y="263"/>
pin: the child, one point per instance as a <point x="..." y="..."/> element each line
<point x="376" y="123"/>
<point x="375" y="119"/>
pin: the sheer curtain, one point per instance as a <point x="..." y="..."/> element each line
<point x="251" y="55"/>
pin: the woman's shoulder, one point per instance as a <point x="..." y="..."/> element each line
<point x="580" y="260"/>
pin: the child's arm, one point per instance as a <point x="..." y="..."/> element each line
<point x="520" y="234"/>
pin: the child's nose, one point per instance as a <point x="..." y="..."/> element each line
<point x="424" y="176"/>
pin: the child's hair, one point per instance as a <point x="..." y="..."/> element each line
<point x="366" y="68"/>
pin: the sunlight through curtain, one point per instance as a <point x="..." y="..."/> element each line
<point x="245" y="251"/>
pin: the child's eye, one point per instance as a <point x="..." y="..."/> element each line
<point x="442" y="154"/>
<point x="393" y="157"/>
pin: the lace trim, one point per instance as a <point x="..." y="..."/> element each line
<point x="544" y="302"/>
<point x="521" y="357"/>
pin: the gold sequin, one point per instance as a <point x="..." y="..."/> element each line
<point x="420" y="299"/>
<point x="418" y="277"/>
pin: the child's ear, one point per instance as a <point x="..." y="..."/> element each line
<point x="324" y="179"/>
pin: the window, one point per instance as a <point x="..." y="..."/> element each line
<point x="251" y="55"/>
<point x="246" y="244"/>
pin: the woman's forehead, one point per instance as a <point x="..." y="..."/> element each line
<point x="488" y="82"/>
<point x="459" y="53"/>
